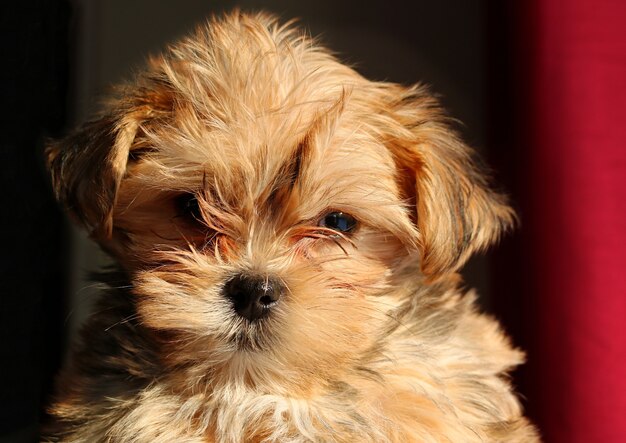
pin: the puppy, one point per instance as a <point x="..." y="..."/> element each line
<point x="288" y="235"/>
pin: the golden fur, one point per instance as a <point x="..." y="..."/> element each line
<point x="372" y="339"/>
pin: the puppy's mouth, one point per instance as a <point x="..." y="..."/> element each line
<point x="254" y="336"/>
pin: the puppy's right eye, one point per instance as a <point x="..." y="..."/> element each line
<point x="338" y="221"/>
<point x="189" y="207"/>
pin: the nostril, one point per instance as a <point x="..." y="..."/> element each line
<point x="267" y="300"/>
<point x="253" y="296"/>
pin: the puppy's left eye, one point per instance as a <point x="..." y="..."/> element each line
<point x="189" y="207"/>
<point x="338" y="221"/>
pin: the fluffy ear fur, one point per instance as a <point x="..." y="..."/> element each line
<point x="457" y="213"/>
<point x="87" y="167"/>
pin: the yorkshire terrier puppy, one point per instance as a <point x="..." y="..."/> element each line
<point x="288" y="236"/>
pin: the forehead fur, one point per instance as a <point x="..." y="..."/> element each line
<point x="242" y="73"/>
<point x="239" y="68"/>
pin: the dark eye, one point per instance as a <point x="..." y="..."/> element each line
<point x="189" y="207"/>
<point x="338" y="221"/>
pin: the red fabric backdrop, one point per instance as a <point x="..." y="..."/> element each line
<point x="577" y="216"/>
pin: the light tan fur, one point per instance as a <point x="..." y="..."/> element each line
<point x="371" y="341"/>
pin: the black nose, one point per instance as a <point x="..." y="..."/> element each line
<point x="253" y="296"/>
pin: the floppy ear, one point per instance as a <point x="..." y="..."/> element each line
<point x="456" y="212"/>
<point x="87" y="167"/>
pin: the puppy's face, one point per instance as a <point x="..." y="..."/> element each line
<point x="271" y="206"/>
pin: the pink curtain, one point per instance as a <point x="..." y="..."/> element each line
<point x="576" y="216"/>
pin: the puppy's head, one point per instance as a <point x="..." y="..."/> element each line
<point x="268" y="202"/>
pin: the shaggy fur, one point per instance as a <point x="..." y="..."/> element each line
<point x="220" y="159"/>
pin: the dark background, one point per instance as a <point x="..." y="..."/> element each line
<point x="60" y="56"/>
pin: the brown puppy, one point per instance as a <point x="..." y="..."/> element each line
<point x="288" y="235"/>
